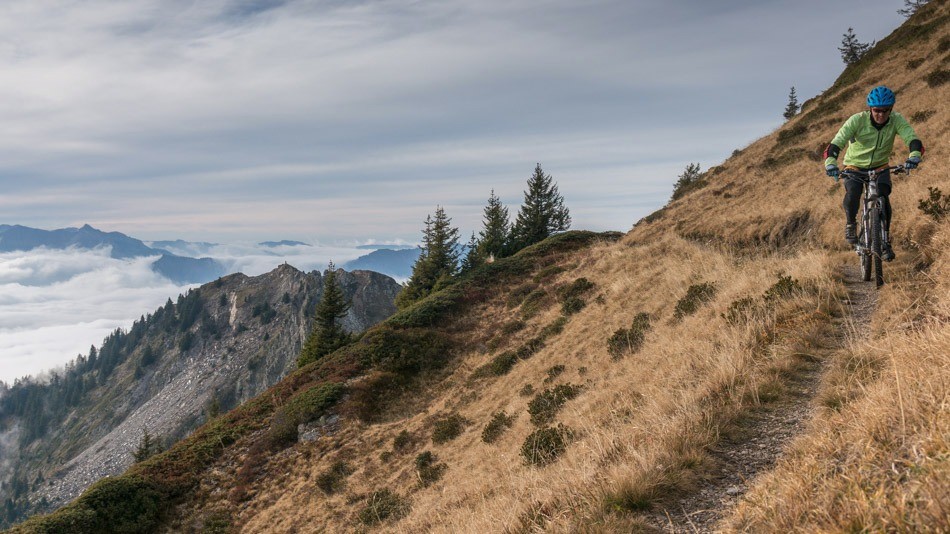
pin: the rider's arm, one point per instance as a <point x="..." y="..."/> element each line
<point x="907" y="134"/>
<point x="843" y="136"/>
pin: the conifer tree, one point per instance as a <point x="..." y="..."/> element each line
<point x="147" y="447"/>
<point x="437" y="264"/>
<point x="496" y="230"/>
<point x="472" y="257"/>
<point x="792" y="108"/>
<point x="911" y="7"/>
<point x="851" y="49"/>
<point x="691" y="179"/>
<point x="543" y="212"/>
<point x="327" y="333"/>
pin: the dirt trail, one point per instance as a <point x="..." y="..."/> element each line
<point x="766" y="432"/>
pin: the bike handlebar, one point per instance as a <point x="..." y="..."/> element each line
<point x="865" y="175"/>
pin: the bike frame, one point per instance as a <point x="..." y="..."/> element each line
<point x="871" y="201"/>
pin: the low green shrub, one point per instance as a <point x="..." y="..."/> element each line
<point x="785" y="287"/>
<point x="430" y="310"/>
<point x="545" y="445"/>
<point x="553" y="329"/>
<point x="517" y="295"/>
<point x="572" y="305"/>
<point x="938" y="78"/>
<point x="936" y="205"/>
<point x="629" y="340"/>
<point x="545" y="405"/>
<point x="696" y="296"/>
<point x="303" y="407"/>
<point x="526" y="391"/>
<point x="448" y="428"/>
<point x="407" y="352"/>
<point x="533" y="303"/>
<point x="402" y="440"/>
<point x="116" y="504"/>
<point x="333" y="479"/>
<point x="371" y="398"/>
<point x="575" y="289"/>
<point x="922" y="116"/>
<point x="789" y="134"/>
<point x="548" y="272"/>
<point x="738" y="312"/>
<point x="570" y="295"/>
<point x="500" y="421"/>
<point x="512" y="327"/>
<point x="428" y="471"/>
<point x="554" y="372"/>
<point x="382" y="505"/>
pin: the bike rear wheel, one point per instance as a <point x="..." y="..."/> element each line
<point x="864" y="253"/>
<point x="877" y="245"/>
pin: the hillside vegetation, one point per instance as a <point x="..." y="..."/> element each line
<point x="592" y="382"/>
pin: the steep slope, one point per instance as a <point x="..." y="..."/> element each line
<point x="221" y="345"/>
<point x="593" y="384"/>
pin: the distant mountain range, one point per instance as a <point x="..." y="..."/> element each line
<point x="284" y="243"/>
<point x="186" y="262"/>
<point x="180" y="269"/>
<point x="395" y="263"/>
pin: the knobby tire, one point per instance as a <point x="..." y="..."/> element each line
<point x="877" y="245"/>
<point x="865" y="253"/>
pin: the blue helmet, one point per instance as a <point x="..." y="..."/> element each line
<point x="880" y="97"/>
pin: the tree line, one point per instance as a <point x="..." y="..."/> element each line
<point x="542" y="214"/>
<point x="441" y="260"/>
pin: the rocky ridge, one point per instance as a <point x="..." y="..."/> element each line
<point x="248" y="338"/>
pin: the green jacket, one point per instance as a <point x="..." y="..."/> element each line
<point x="871" y="148"/>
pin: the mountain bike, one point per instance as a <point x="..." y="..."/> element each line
<point x="873" y="236"/>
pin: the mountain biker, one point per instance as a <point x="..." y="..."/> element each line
<point x="871" y="135"/>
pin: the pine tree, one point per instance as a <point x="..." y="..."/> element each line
<point x="438" y="262"/>
<point x="496" y="230"/>
<point x="472" y="257"/>
<point x="792" y="108"/>
<point x="543" y="212"/>
<point x="911" y="7"/>
<point x="147" y="447"/>
<point x="327" y="333"/>
<point x="851" y="49"/>
<point x="691" y="179"/>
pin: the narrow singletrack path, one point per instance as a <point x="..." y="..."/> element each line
<point x="767" y="430"/>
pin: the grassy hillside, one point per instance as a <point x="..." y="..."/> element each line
<point x="596" y="383"/>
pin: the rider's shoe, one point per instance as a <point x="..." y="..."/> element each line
<point x="887" y="254"/>
<point x="850" y="235"/>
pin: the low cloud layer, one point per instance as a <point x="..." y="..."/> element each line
<point x="55" y="304"/>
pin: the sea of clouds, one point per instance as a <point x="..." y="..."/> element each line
<point x="55" y="304"/>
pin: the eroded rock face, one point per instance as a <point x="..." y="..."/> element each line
<point x="247" y="338"/>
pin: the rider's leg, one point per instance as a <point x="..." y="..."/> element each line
<point x="852" y="201"/>
<point x="885" y="191"/>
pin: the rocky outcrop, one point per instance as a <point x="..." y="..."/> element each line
<point x="247" y="338"/>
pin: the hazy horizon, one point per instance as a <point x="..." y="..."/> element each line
<point x="55" y="304"/>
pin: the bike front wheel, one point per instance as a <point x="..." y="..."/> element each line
<point x="877" y="246"/>
<point x="864" y="254"/>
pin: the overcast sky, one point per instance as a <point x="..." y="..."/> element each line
<point x="343" y="122"/>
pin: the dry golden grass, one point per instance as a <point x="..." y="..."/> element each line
<point x="641" y="423"/>
<point x="874" y="457"/>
